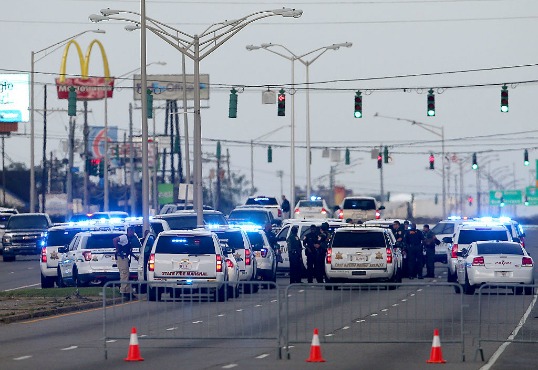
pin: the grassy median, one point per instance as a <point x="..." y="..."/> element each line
<point x="59" y="292"/>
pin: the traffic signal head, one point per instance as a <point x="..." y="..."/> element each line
<point x="281" y="103"/>
<point x="379" y="160"/>
<point x="502" y="202"/>
<point x="232" y="111"/>
<point x="149" y="97"/>
<point x="358" y="104"/>
<point x="431" y="103"/>
<point x="526" y="201"/>
<point x="386" y="154"/>
<point x="470" y="200"/>
<point x="72" y="102"/>
<point x="475" y="163"/>
<point x="269" y="154"/>
<point x="504" y="99"/>
<point x="526" y="157"/>
<point x="218" y="150"/>
<point x="94" y="167"/>
<point x="432" y="162"/>
<point x="348" y="156"/>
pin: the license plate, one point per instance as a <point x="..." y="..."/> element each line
<point x="358" y="272"/>
<point x="502" y="273"/>
<point x="361" y="258"/>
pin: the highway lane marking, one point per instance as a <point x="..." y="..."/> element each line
<point x="419" y="290"/>
<point x="22" y="358"/>
<point x="395" y="304"/>
<point x="113" y="340"/>
<point x="170" y="329"/>
<point x="197" y="322"/>
<point x="263" y="356"/>
<point x="274" y="300"/>
<point x="345" y="328"/>
<point x="301" y="291"/>
<point x="239" y="310"/>
<point x="142" y="336"/>
<point x="229" y="366"/>
<point x="329" y="335"/>
<point x="384" y="310"/>
<point x="258" y="305"/>
<point x="404" y="300"/>
<point x="359" y="321"/>
<point x="22" y="287"/>
<point x="220" y="315"/>
<point x="412" y="294"/>
<point x="288" y="347"/>
<point x="374" y="314"/>
<point x="69" y="348"/>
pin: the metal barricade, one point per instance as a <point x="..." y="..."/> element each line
<point x="502" y="314"/>
<point x="373" y="313"/>
<point x="181" y="313"/>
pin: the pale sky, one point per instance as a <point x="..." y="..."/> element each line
<point x="390" y="38"/>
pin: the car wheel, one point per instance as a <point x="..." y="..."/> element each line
<point x="60" y="280"/>
<point x="8" y="258"/>
<point x="47" y="282"/>
<point x="468" y="288"/>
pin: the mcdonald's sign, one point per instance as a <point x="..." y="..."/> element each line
<point x="87" y="88"/>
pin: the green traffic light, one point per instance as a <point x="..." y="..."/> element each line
<point x="526" y="163"/>
<point x="358" y="114"/>
<point x="475" y="166"/>
<point x="504" y="108"/>
<point x="431" y="113"/>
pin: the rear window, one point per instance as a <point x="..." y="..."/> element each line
<point x="443" y="228"/>
<point x="61" y="237"/>
<point x="310" y="203"/>
<point x="157" y="227"/>
<point x="101" y="241"/>
<point x="231" y="239"/>
<point x="362" y="204"/>
<point x="215" y="219"/>
<point x="359" y="240"/>
<point x="256" y="239"/>
<point x="262" y="201"/>
<point x="182" y="222"/>
<point x="469" y="236"/>
<point x="27" y="222"/>
<point x="256" y="217"/>
<point x="173" y="244"/>
<point x="499" y="248"/>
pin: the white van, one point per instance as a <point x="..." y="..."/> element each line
<point x="359" y="209"/>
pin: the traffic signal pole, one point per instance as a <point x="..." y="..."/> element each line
<point x="70" y="166"/>
<point x="382" y="189"/>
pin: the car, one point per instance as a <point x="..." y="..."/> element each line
<point x="23" y="234"/>
<point x="266" y="261"/>
<point x="12" y="211"/>
<point x="89" y="260"/>
<point x="186" y="220"/>
<point x="270" y="203"/>
<point x="358" y="254"/>
<point x="99" y="216"/>
<point x="313" y="208"/>
<point x="156" y="226"/>
<point x="237" y="242"/>
<point x="445" y="228"/>
<point x="118" y="215"/>
<point x="251" y="215"/>
<point x="174" y="207"/>
<point x="358" y="209"/>
<point x="58" y="236"/>
<point x="191" y="260"/>
<point x="304" y="229"/>
<point x="465" y="234"/>
<point x="494" y="262"/>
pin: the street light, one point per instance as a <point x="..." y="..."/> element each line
<point x="32" y="107"/>
<point x="196" y="47"/>
<point x="436" y="130"/>
<point x="293" y="57"/>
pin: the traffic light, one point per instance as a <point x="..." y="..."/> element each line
<point x="432" y="162"/>
<point x="281" y="103"/>
<point x="386" y="155"/>
<point x="502" y="202"/>
<point x="232" y="111"/>
<point x="269" y="154"/>
<point x="348" y="156"/>
<point x="431" y="103"/>
<point x="93" y="167"/>
<point x="379" y="161"/>
<point x="526" y="157"/>
<point x="475" y="163"/>
<point x="504" y="99"/>
<point x="149" y="97"/>
<point x="358" y="104"/>
<point x="72" y="102"/>
<point x="470" y="200"/>
<point x="218" y="150"/>
<point x="101" y="165"/>
<point x="526" y="201"/>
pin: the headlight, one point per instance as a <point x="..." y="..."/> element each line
<point x="44" y="234"/>
<point x="6" y="239"/>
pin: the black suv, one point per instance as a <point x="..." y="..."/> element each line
<point x="186" y="220"/>
<point x="23" y="234"/>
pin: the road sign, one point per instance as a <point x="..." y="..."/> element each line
<point x="531" y="194"/>
<point x="510" y="197"/>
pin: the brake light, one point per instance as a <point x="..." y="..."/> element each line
<point x="526" y="262"/>
<point x="248" y="260"/>
<point x="454" y="251"/>
<point x="229" y="263"/>
<point x="279" y="212"/>
<point x="151" y="262"/>
<point x="297" y="210"/>
<point x="377" y="215"/>
<point x="340" y="214"/>
<point x="323" y="211"/>
<point x="478" y="261"/>
<point x="264" y="252"/>
<point x="329" y="258"/>
<point x="44" y="255"/>
<point x="218" y="263"/>
<point x="87" y="255"/>
<point x="389" y="255"/>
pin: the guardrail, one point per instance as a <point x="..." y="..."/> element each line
<point x="508" y="321"/>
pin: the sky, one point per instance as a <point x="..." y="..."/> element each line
<point x="401" y="49"/>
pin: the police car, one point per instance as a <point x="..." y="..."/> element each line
<point x="187" y="261"/>
<point x="90" y="260"/>
<point x="492" y="262"/>
<point x="363" y="254"/>
<point x="265" y="255"/>
<point x="58" y="236"/>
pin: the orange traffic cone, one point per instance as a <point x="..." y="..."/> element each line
<point x="315" y="349"/>
<point x="134" y="349"/>
<point x="436" y="355"/>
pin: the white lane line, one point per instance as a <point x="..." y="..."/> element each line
<point x="412" y="294"/>
<point x="404" y="300"/>
<point x="395" y="304"/>
<point x="501" y="349"/>
<point x="263" y="356"/>
<point x="229" y="366"/>
<point x="419" y="290"/>
<point x="374" y="314"/>
<point x="258" y="305"/>
<point x="329" y="335"/>
<point x="111" y="341"/>
<point x="69" y="348"/>
<point x="345" y="328"/>
<point x="289" y="295"/>
<point x="22" y="358"/>
<point x="301" y="291"/>
<point x="359" y="321"/>
<point x="170" y="329"/>
<point x="22" y="287"/>
<point x="288" y="347"/>
<point x="141" y="336"/>
<point x="221" y="315"/>
<point x="384" y="310"/>
<point x="197" y="322"/>
<point x="239" y="310"/>
<point x="274" y="300"/>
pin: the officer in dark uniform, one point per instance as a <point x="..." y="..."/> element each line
<point x="399" y="235"/>
<point x="295" y="250"/>
<point x="309" y="242"/>
<point x="414" y="252"/>
<point x="320" y="250"/>
<point x="429" y="246"/>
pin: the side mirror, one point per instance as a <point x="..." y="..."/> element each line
<point x="447" y="239"/>
<point x="522" y="235"/>
<point x="381" y="208"/>
<point x="62" y="249"/>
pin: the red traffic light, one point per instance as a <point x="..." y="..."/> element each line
<point x="432" y="162"/>
<point x="281" y="97"/>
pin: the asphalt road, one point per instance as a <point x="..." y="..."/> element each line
<point x="405" y="317"/>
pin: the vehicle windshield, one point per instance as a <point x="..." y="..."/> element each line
<point x="27" y="222"/>
<point x="499" y="248"/>
<point x="256" y="217"/>
<point x="215" y="219"/>
<point x="359" y="239"/>
<point x="443" y="228"/>
<point x="256" y="239"/>
<point x="362" y="204"/>
<point x="182" y="222"/>
<point x="61" y="237"/>
<point x="232" y="239"/>
<point x="101" y="241"/>
<point x="469" y="236"/>
<point x="311" y="203"/>
<point x="185" y="244"/>
<point x="262" y="201"/>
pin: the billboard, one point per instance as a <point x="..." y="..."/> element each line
<point x="96" y="140"/>
<point x="87" y="88"/>
<point x="14" y="97"/>
<point x="170" y="87"/>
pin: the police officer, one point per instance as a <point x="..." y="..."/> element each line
<point x="271" y="238"/>
<point x="295" y="250"/>
<point x="320" y="250"/>
<point x="286" y="208"/>
<point x="124" y="245"/>
<point x="414" y="252"/>
<point x="309" y="242"/>
<point x="429" y="246"/>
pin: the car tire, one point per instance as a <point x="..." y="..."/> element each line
<point x="8" y="258"/>
<point x="60" y="280"/>
<point x="47" y="281"/>
<point x="468" y="288"/>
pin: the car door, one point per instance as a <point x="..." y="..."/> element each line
<point x="69" y="258"/>
<point x="281" y="238"/>
<point x="460" y="264"/>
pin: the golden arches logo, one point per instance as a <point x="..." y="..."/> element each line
<point x="87" y="88"/>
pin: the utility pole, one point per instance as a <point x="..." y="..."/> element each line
<point x="70" y="166"/>
<point x="280" y="174"/>
<point x="131" y="161"/>
<point x="86" y="134"/>
<point x="217" y="197"/>
<point x="44" y="171"/>
<point x="382" y="190"/>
